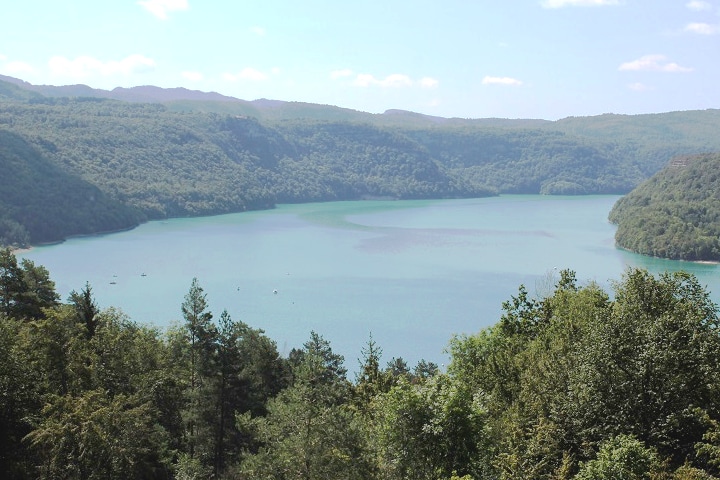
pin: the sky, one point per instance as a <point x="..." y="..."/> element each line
<point x="546" y="59"/>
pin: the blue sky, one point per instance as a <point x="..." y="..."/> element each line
<point x="453" y="58"/>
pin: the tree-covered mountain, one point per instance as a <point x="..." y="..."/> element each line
<point x="40" y="202"/>
<point x="674" y="214"/>
<point x="194" y="153"/>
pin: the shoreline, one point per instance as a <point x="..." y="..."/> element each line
<point x="701" y="262"/>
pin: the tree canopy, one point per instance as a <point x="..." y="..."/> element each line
<point x="676" y="213"/>
<point x="578" y="384"/>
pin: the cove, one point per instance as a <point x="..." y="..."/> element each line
<point x="411" y="273"/>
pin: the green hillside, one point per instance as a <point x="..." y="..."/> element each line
<point x="39" y="202"/>
<point x="676" y="213"/>
<point x="192" y="153"/>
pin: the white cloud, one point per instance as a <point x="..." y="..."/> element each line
<point x="395" y="80"/>
<point x="14" y="68"/>
<point x="193" y="76"/>
<point x="653" y="63"/>
<point x="161" y="8"/>
<point x="345" y="72"/>
<point x="702" y="28"/>
<point x="84" y="66"/>
<point x="488" y="80"/>
<point x="427" y="82"/>
<point x="578" y="3"/>
<point x="247" y="73"/>
<point x="698" y="5"/>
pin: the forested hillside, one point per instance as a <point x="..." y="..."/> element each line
<point x="191" y="153"/>
<point x="676" y="213"/>
<point x="581" y="384"/>
<point x="41" y="202"/>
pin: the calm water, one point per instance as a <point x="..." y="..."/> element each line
<point x="412" y="273"/>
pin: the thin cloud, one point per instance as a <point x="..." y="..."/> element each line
<point x="639" y="87"/>
<point x="259" y="31"/>
<point x="161" y="8"/>
<point x="427" y="82"/>
<point x="2" y="57"/>
<point x="345" y="72"/>
<point x="395" y="80"/>
<point x="193" y="76"/>
<point x="653" y="63"/>
<point x="488" y="80"/>
<point x="699" y="6"/>
<point x="578" y="3"/>
<point x="84" y="66"/>
<point x="247" y="73"/>
<point x="702" y="28"/>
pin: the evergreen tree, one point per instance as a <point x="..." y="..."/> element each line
<point x="309" y="432"/>
<point x="370" y="380"/>
<point x="201" y="336"/>
<point x="85" y="308"/>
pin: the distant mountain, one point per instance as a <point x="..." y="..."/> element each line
<point x="150" y="94"/>
<point x="183" y="99"/>
<point x="153" y="153"/>
<point x="146" y="94"/>
<point x="676" y="213"/>
<point x="15" y="90"/>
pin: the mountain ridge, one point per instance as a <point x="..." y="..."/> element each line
<point x="205" y="157"/>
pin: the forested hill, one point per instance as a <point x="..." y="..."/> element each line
<point x="194" y="153"/>
<point x="676" y="213"/>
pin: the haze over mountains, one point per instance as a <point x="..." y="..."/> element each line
<point x="176" y="98"/>
<point x="147" y="152"/>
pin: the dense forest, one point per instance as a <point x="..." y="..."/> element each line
<point x="578" y="384"/>
<point x="676" y="213"/>
<point x="77" y="160"/>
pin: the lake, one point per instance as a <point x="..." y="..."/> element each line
<point x="411" y="273"/>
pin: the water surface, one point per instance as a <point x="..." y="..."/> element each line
<point x="411" y="273"/>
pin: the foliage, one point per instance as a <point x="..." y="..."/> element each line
<point x="577" y="384"/>
<point x="25" y="289"/>
<point x="676" y="213"/>
<point x="309" y="431"/>
<point x="41" y="202"/>
<point x="85" y="164"/>
<point x="621" y="458"/>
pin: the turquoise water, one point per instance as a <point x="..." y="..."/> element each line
<point x="411" y="273"/>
